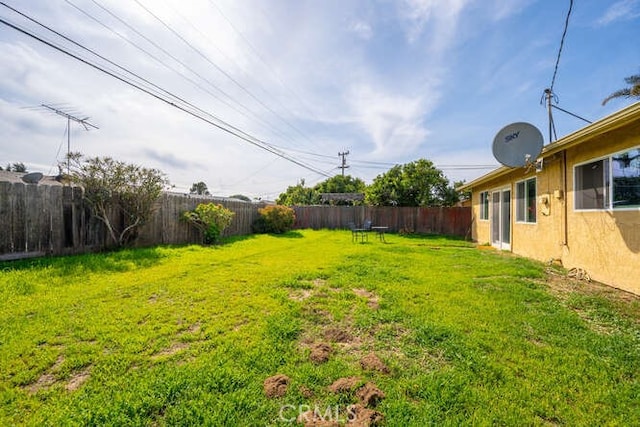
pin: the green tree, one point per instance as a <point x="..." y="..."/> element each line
<point x="462" y="195"/>
<point x="15" y="167"/>
<point x="633" y="91"/>
<point x="121" y="195"/>
<point x="199" y="188"/>
<point x="299" y="195"/>
<point x="418" y="183"/>
<point x="341" y="184"/>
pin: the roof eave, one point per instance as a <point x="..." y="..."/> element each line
<point x="606" y="124"/>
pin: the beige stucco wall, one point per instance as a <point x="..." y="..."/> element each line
<point x="606" y="244"/>
<point x="541" y="240"/>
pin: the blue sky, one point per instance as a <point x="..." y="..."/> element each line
<point x="389" y="81"/>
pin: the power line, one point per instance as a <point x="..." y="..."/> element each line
<point x="213" y="64"/>
<point x="166" y="52"/>
<point x="549" y="97"/>
<point x="564" y="34"/>
<point x="220" y="123"/>
<point x="231" y="60"/>
<point x="274" y="74"/>
<point x="245" y="112"/>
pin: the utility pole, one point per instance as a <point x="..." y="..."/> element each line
<point x="343" y="164"/>
<point x="84" y="122"/>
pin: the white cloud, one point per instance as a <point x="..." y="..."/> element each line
<point x="436" y="18"/>
<point x="621" y="10"/>
<point x="361" y="29"/>
<point x="393" y="122"/>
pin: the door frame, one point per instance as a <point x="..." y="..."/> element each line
<point x="497" y="219"/>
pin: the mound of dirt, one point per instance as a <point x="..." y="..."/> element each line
<point x="337" y="335"/>
<point x="306" y="392"/>
<point x="359" y="416"/>
<point x="371" y="362"/>
<point x="320" y="352"/>
<point x="276" y="386"/>
<point x="369" y="394"/>
<point x="346" y="384"/>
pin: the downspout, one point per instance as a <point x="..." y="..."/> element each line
<point x="565" y="242"/>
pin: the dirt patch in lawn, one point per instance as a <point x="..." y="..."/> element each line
<point x="562" y="283"/>
<point x="320" y="352"/>
<point x="369" y="395"/>
<point x="335" y="334"/>
<point x="194" y="328"/>
<point x="372" y="299"/>
<point x="77" y="379"/>
<point x="276" y="386"/>
<point x="361" y="416"/>
<point x="300" y="294"/>
<point x="563" y="286"/>
<point x="171" y="350"/>
<point x="343" y="385"/>
<point x="47" y="379"/>
<point x="371" y="362"/>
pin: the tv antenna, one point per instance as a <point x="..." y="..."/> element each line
<point x="517" y="144"/>
<point x="550" y="99"/>
<point x="70" y="118"/>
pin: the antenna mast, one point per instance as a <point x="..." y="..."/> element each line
<point x="84" y="122"/>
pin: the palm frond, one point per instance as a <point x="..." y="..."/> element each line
<point x="622" y="93"/>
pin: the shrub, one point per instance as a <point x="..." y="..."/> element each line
<point x="274" y="219"/>
<point x="211" y="219"/>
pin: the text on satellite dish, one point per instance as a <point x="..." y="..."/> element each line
<point x="511" y="137"/>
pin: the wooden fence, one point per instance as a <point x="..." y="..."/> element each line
<point x="454" y="221"/>
<point x="52" y="219"/>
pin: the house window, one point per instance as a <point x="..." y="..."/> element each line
<point x="592" y="185"/>
<point x="625" y="173"/>
<point x="484" y="205"/>
<point x="526" y="201"/>
<point x="610" y="183"/>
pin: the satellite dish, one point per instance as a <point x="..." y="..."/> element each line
<point x="32" y="178"/>
<point x="517" y="144"/>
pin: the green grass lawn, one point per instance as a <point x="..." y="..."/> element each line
<point x="188" y="335"/>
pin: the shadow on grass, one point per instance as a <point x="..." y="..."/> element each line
<point x="234" y="239"/>
<point x="116" y="261"/>
<point x="438" y="239"/>
<point x="288" y="235"/>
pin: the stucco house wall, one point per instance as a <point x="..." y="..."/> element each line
<point x="605" y="243"/>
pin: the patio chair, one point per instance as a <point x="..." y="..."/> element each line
<point x="357" y="232"/>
